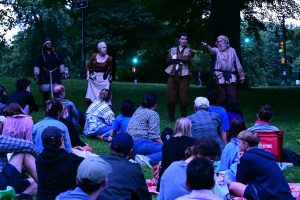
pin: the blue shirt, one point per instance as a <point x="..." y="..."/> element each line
<point x="41" y="125"/>
<point x="75" y="194"/>
<point x="121" y="123"/>
<point x="206" y="125"/>
<point x="229" y="155"/>
<point x="223" y="116"/>
<point x="261" y="126"/>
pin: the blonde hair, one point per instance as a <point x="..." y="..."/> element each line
<point x="182" y="127"/>
<point x="251" y="137"/>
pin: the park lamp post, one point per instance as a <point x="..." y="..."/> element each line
<point x="134" y="62"/>
<point x="82" y="4"/>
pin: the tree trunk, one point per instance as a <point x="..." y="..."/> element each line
<point x="225" y="18"/>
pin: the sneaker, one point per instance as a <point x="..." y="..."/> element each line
<point x="143" y="161"/>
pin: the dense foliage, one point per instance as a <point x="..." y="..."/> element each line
<point x="137" y="28"/>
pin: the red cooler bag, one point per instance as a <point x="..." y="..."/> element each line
<point x="273" y="142"/>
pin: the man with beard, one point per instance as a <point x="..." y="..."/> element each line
<point x="227" y="67"/>
<point x="48" y="69"/>
<point x="178" y="77"/>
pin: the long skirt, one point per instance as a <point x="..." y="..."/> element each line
<point x="95" y="86"/>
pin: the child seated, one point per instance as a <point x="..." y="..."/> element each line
<point x="258" y="175"/>
<point x="121" y="122"/>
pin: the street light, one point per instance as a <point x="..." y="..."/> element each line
<point x="247" y="40"/>
<point x="82" y="4"/>
<point x="135" y="61"/>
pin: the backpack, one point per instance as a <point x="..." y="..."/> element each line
<point x="291" y="157"/>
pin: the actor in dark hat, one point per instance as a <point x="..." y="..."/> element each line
<point x="48" y="69"/>
<point x="56" y="168"/>
<point x="126" y="181"/>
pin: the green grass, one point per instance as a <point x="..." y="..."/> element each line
<point x="284" y="100"/>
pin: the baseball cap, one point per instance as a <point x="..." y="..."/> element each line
<point x="50" y="134"/>
<point x="122" y="142"/>
<point x="201" y="102"/>
<point x="93" y="170"/>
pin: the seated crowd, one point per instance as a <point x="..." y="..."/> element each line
<point x="42" y="163"/>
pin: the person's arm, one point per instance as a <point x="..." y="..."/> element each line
<point x="208" y="48"/>
<point x="154" y="127"/>
<point x="158" y="140"/>
<point x="186" y="58"/>
<point x="36" y="68"/>
<point x="15" y="145"/>
<point x="244" y="170"/>
<point x="89" y="66"/>
<point x="74" y="135"/>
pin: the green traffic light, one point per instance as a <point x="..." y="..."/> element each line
<point x="135" y="60"/>
<point x="247" y="40"/>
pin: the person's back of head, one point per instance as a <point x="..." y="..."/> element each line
<point x="22" y="84"/>
<point x="231" y="105"/>
<point x="200" y="174"/>
<point x="105" y="95"/>
<point x="13" y="109"/>
<point x="59" y="91"/>
<point x="53" y="109"/>
<point x="265" y="113"/>
<point x="149" y="100"/>
<point x="236" y="126"/>
<point x="201" y="103"/>
<point x="250" y="137"/>
<point x="127" y="108"/>
<point x="212" y="97"/>
<point x="52" y="137"/>
<point x="204" y="148"/>
<point x="182" y="127"/>
<point x="121" y="145"/>
<point x="92" y="174"/>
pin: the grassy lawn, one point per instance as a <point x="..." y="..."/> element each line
<point x="284" y="101"/>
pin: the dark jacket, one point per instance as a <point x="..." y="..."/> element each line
<point x="126" y="181"/>
<point x="258" y="168"/>
<point x="56" y="169"/>
<point x="23" y="98"/>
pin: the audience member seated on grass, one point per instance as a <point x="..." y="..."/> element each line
<point x="23" y="97"/>
<point x="174" y="148"/>
<point x="121" y="123"/>
<point x="258" y="175"/>
<point x="144" y="127"/>
<point x="73" y="132"/>
<point x="229" y="155"/>
<point x="264" y="117"/>
<point x="3" y="98"/>
<point x="75" y="116"/>
<point x="200" y="180"/>
<point x="56" y="168"/>
<point x="53" y="112"/>
<point x="91" y="179"/>
<point x="99" y="117"/>
<point x="212" y="97"/>
<point x="232" y="109"/>
<point x="127" y="179"/>
<point x="23" y="158"/>
<point x="16" y="123"/>
<point x="172" y="184"/>
<point x="205" y="124"/>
